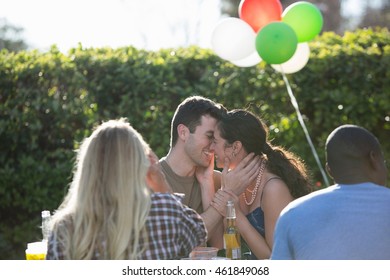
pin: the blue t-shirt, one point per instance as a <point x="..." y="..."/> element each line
<point x="338" y="222"/>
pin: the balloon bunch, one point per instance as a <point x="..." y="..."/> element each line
<point x="265" y="32"/>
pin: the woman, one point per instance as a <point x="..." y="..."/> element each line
<point x="282" y="177"/>
<point x="110" y="212"/>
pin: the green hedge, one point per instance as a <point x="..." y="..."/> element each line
<point x="50" y="101"/>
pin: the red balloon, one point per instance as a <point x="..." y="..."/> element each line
<point x="258" y="13"/>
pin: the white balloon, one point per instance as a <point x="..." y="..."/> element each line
<point x="296" y="62"/>
<point x="233" y="39"/>
<point x="248" y="61"/>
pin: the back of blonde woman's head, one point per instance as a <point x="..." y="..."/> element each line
<point x="108" y="201"/>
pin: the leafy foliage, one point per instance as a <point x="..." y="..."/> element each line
<point x="10" y="38"/>
<point x="50" y="101"/>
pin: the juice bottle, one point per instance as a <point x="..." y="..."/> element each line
<point x="231" y="236"/>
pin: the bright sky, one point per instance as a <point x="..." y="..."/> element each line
<point x="144" y="24"/>
<point x="148" y="24"/>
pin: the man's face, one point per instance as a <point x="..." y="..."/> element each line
<point x="197" y="145"/>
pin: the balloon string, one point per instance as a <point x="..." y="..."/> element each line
<point x="295" y="104"/>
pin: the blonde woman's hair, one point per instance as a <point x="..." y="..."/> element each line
<point x="104" y="213"/>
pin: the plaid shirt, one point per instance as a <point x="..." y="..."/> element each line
<point x="173" y="230"/>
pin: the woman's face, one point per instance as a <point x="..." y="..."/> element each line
<point x="221" y="150"/>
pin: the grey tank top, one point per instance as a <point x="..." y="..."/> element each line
<point x="189" y="186"/>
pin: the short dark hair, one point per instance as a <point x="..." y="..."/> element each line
<point x="190" y="111"/>
<point x="347" y="147"/>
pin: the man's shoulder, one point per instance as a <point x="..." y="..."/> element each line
<point x="163" y="161"/>
<point x="165" y="167"/>
<point x="313" y="198"/>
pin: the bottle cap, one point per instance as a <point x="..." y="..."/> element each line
<point x="45" y="213"/>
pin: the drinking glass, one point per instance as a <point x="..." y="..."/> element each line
<point x="36" y="250"/>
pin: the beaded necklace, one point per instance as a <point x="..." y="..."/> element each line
<point x="258" y="182"/>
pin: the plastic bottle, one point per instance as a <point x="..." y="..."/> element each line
<point x="45" y="224"/>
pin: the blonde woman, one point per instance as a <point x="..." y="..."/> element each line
<point x="119" y="205"/>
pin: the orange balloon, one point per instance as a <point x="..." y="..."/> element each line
<point x="258" y="13"/>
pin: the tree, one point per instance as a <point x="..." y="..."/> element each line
<point x="330" y="10"/>
<point x="9" y="37"/>
<point x="230" y="7"/>
<point x="376" y="16"/>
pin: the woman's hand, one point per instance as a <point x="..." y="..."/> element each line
<point x="205" y="175"/>
<point x="155" y="178"/>
<point x="238" y="179"/>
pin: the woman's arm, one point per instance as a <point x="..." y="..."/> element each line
<point x="155" y="178"/>
<point x="206" y="178"/>
<point x="255" y="240"/>
<point x="276" y="196"/>
<point x="209" y="182"/>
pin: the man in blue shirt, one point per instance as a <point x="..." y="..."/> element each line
<point x="349" y="220"/>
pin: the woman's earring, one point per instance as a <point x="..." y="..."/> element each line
<point x="233" y="154"/>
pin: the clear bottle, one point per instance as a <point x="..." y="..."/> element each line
<point x="231" y="236"/>
<point x="45" y="224"/>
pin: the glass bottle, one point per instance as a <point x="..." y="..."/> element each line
<point x="231" y="236"/>
<point x="45" y="224"/>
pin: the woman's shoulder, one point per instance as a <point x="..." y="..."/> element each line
<point x="273" y="180"/>
<point x="165" y="198"/>
<point x="273" y="185"/>
<point x="170" y="205"/>
<point x="168" y="201"/>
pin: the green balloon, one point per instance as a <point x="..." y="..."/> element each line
<point x="276" y="42"/>
<point x="305" y="18"/>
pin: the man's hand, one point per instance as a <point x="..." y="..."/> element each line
<point x="238" y="179"/>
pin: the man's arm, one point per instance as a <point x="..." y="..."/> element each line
<point x="214" y="224"/>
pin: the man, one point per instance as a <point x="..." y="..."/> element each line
<point x="189" y="164"/>
<point x="349" y="220"/>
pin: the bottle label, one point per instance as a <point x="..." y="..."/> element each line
<point x="232" y="246"/>
<point x="236" y="253"/>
